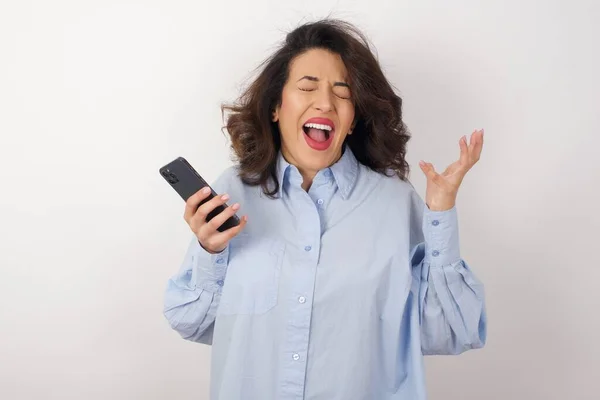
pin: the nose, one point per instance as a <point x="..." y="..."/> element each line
<point x="324" y="102"/>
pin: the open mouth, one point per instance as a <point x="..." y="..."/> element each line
<point x="318" y="133"/>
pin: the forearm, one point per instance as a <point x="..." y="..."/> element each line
<point x="451" y="297"/>
<point x="192" y="295"/>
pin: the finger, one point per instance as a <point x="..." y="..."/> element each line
<point x="222" y="238"/>
<point x="475" y="139"/>
<point x="191" y="205"/>
<point x="464" y="150"/>
<point x="476" y="146"/>
<point x="223" y="216"/>
<point x="206" y="208"/>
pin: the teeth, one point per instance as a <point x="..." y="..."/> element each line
<point x="318" y="126"/>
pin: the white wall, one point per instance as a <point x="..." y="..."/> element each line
<point x="96" y="95"/>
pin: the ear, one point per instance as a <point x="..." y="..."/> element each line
<point x="275" y="115"/>
<point x="352" y="127"/>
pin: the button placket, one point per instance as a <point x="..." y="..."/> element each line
<point x="297" y="329"/>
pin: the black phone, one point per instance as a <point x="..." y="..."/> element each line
<point x="186" y="181"/>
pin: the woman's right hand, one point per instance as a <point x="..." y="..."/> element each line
<point x="209" y="237"/>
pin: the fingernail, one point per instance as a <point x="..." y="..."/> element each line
<point x="225" y="197"/>
<point x="422" y="163"/>
<point x="235" y="207"/>
<point x="206" y="190"/>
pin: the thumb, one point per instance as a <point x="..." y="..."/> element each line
<point x="429" y="171"/>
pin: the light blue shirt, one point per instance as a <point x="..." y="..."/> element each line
<point x="335" y="293"/>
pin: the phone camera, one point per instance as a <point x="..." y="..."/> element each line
<point x="170" y="177"/>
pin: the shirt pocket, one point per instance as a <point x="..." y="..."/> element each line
<point x="252" y="279"/>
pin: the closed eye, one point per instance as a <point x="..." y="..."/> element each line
<point x="342" y="92"/>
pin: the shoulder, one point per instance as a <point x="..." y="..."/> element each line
<point x="228" y="180"/>
<point x="390" y="189"/>
<point x="389" y="183"/>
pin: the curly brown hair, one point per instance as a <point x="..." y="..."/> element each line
<point x="379" y="137"/>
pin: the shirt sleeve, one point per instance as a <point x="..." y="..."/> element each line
<point x="451" y="298"/>
<point x="192" y="295"/>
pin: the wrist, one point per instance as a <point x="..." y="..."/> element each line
<point x="441" y="205"/>
<point x="211" y="251"/>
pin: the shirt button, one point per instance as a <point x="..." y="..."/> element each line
<point x="301" y="299"/>
<point x="327" y="173"/>
<point x="435" y="222"/>
<point x="296" y="357"/>
<point x="308" y="248"/>
<point x="320" y="202"/>
<point x="220" y="282"/>
<point x="220" y="261"/>
<point x="435" y="253"/>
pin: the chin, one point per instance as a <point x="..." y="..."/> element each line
<point x="309" y="159"/>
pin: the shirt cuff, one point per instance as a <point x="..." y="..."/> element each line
<point x="214" y="271"/>
<point x="440" y="229"/>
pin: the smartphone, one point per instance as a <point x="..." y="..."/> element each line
<point x="186" y="181"/>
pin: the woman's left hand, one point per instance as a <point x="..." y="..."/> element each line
<point x="443" y="188"/>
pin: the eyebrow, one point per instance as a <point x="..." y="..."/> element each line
<point x="315" y="79"/>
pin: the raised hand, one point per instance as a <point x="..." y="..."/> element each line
<point x="442" y="189"/>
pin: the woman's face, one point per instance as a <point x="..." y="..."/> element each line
<point x="316" y="111"/>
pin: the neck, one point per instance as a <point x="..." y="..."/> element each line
<point x="307" y="175"/>
<point x="307" y="178"/>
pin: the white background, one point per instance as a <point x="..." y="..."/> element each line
<point x="95" y="96"/>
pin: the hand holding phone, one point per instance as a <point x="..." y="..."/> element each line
<point x="207" y="230"/>
<point x="212" y="221"/>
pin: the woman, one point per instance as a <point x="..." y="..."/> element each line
<point x="339" y="278"/>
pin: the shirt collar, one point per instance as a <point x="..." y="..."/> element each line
<point x="344" y="172"/>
